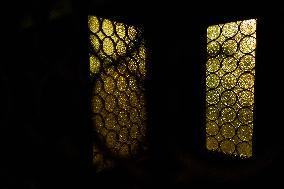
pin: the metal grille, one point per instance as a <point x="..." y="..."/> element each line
<point x="230" y="78"/>
<point x="118" y="64"/>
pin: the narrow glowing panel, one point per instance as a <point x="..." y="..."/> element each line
<point x="230" y="76"/>
<point x="118" y="61"/>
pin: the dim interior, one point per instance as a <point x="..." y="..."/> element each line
<point x="118" y="94"/>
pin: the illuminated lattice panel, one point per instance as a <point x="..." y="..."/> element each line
<point x="118" y="69"/>
<point x="230" y="78"/>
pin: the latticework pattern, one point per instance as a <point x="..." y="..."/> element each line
<point x="118" y="67"/>
<point x="230" y="78"/>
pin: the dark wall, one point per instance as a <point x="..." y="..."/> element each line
<point x="45" y="139"/>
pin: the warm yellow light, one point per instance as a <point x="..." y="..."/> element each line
<point x="230" y="78"/>
<point x="118" y="101"/>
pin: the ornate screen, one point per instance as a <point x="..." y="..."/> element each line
<point x="118" y="62"/>
<point x="230" y="78"/>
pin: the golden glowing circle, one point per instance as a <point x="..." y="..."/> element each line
<point x="230" y="29"/>
<point x="132" y="83"/>
<point x="109" y="85"/>
<point x="212" y="65"/>
<point x="248" y="44"/>
<point x="94" y="64"/>
<point x="247" y="62"/>
<point x="142" y="52"/>
<point x="107" y="27"/>
<point x="134" y="115"/>
<point x="246" y="98"/>
<point x="229" y="81"/>
<point x="228" y="114"/>
<point x="244" y="149"/>
<point x="245" y="115"/>
<point x="94" y="24"/>
<point x="228" y="98"/>
<point x="212" y="112"/>
<point x="108" y="46"/>
<point x="132" y="65"/>
<point x="142" y="67"/>
<point x="123" y="118"/>
<point x="95" y="42"/>
<point x="246" y="81"/>
<point x="227" y="130"/>
<point x="123" y="134"/>
<point x="248" y="27"/>
<point x="212" y="97"/>
<point x="97" y="104"/>
<point x="110" y="122"/>
<point x="134" y="100"/>
<point x="121" y="48"/>
<point x="211" y="143"/>
<point x="110" y="103"/>
<point x="213" y="32"/>
<point x="98" y="86"/>
<point x="123" y="101"/>
<point x="213" y="48"/>
<point x="121" y="83"/>
<point x="227" y="146"/>
<point x="230" y="47"/>
<point x="132" y="32"/>
<point x="212" y="128"/>
<point x="229" y="64"/>
<point x="212" y="81"/>
<point x="134" y="131"/>
<point x="245" y="133"/>
<point x="120" y="30"/>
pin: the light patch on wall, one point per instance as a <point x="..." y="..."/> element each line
<point x="118" y="69"/>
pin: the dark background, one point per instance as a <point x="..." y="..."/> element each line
<point x="45" y="96"/>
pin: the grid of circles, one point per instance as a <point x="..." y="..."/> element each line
<point x="118" y="66"/>
<point x="110" y="41"/>
<point x="230" y="75"/>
